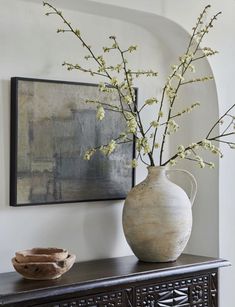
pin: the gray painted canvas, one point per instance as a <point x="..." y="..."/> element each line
<point x="55" y="128"/>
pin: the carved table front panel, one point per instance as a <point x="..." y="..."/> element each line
<point x="184" y="292"/>
<point x="199" y="291"/>
<point x="191" y="281"/>
<point x="194" y="291"/>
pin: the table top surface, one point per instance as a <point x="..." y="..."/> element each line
<point x="127" y="268"/>
<point x="101" y="273"/>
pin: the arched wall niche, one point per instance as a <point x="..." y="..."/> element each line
<point x="172" y="39"/>
<point x="94" y="230"/>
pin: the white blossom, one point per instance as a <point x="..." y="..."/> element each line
<point x="154" y="124"/>
<point x="132" y="48"/>
<point x="114" y="81"/>
<point x="142" y="143"/>
<point x="211" y="165"/>
<point x="181" y="148"/>
<point x="128" y="99"/>
<point x="100" y="113"/>
<point x="202" y="164"/>
<point x="134" y="163"/>
<point x="192" y="68"/>
<point x="89" y="153"/>
<point x="180" y="77"/>
<point x="108" y="149"/>
<point x="172" y="126"/>
<point x="172" y="162"/>
<point x="151" y="101"/>
<point x="170" y="92"/>
<point x="160" y="114"/>
<point x="131" y="122"/>
<point x="186" y="58"/>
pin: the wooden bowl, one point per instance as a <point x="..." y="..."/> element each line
<point x="41" y="255"/>
<point x="43" y="270"/>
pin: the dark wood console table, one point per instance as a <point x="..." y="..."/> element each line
<point x="191" y="281"/>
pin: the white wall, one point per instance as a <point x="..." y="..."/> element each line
<point x="30" y="47"/>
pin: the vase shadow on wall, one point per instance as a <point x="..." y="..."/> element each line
<point x="100" y="230"/>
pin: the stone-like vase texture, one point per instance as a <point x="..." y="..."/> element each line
<point x="157" y="217"/>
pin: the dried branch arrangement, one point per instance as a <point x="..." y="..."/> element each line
<point x="120" y="78"/>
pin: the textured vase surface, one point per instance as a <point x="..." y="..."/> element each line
<point x="157" y="218"/>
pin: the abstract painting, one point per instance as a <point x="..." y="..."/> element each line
<point x="51" y="128"/>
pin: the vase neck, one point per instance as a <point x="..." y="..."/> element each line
<point x="156" y="173"/>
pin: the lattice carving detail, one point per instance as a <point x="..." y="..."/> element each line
<point x="183" y="293"/>
<point x="198" y="291"/>
<point x="213" y="289"/>
<point x="129" y="297"/>
<point x="114" y="299"/>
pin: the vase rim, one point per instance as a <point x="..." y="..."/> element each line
<point x="156" y="166"/>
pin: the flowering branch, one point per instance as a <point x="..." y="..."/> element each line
<point x="70" y="66"/>
<point x="186" y="60"/>
<point x="108" y="148"/>
<point x="219" y="120"/>
<point x="127" y="105"/>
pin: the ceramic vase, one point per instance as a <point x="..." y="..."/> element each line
<point x="157" y="216"/>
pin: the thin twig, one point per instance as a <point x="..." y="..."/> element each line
<point x="219" y="120"/>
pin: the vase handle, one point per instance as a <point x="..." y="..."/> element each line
<point x="193" y="181"/>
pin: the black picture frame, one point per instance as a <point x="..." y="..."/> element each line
<point x="34" y="161"/>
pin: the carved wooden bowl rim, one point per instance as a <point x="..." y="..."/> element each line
<point x="41" y="254"/>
